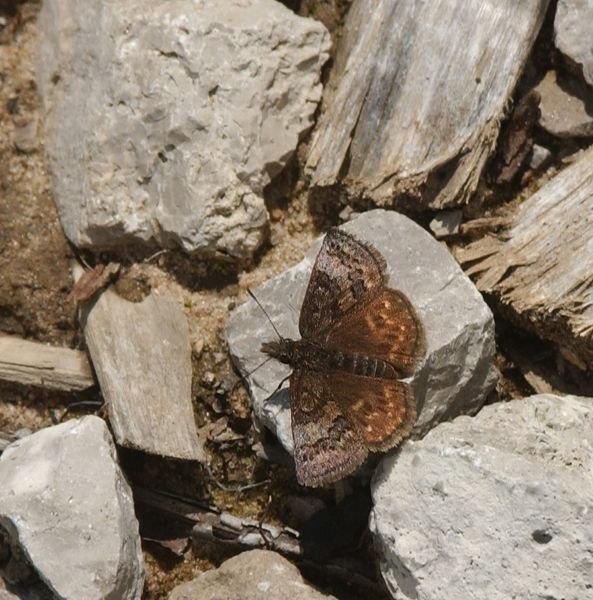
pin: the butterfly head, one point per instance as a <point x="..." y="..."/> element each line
<point x="282" y="350"/>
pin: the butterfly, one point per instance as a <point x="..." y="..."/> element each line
<point x="359" y="338"/>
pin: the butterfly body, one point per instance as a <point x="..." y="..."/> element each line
<point x="359" y="338"/>
<point x="307" y="354"/>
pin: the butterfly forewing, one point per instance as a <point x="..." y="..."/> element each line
<point x="346" y="276"/>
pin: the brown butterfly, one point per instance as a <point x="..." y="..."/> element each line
<point x="358" y="338"/>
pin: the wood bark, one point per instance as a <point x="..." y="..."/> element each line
<point x="540" y="271"/>
<point x="142" y="356"/>
<point x="34" y="363"/>
<point x="414" y="106"/>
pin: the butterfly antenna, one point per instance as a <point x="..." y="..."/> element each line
<point x="265" y="313"/>
<point x="260" y="366"/>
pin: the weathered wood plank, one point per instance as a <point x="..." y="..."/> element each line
<point x="541" y="271"/>
<point x="34" y="363"/>
<point x="142" y="356"/>
<point x="416" y="99"/>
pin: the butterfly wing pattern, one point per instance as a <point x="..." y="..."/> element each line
<point x="346" y="276"/>
<point x="358" y="338"/>
<point x="326" y="445"/>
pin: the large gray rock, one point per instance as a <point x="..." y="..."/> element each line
<point x="457" y="372"/>
<point x="166" y="119"/>
<point x="65" y="502"/>
<point x="492" y="507"/>
<point x="254" y="575"/>
<point x="573" y="32"/>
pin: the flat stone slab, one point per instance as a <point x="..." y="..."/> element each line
<point x="166" y="120"/>
<point x="457" y="372"/>
<point x="492" y="507"/>
<point x="66" y="504"/>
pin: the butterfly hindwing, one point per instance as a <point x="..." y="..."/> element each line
<point x="326" y="445"/>
<point x="382" y="410"/>
<point x="388" y="329"/>
<point x="337" y="417"/>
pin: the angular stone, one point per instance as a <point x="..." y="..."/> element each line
<point x="166" y="119"/>
<point x="457" y="372"/>
<point x="566" y="106"/>
<point x="492" y="507"/>
<point x="540" y="156"/>
<point x="25" y="137"/>
<point x="253" y="575"/>
<point x="446" y="223"/>
<point x="66" y="503"/>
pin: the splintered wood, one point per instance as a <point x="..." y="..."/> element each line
<point x="541" y="271"/>
<point x="33" y="363"/>
<point x="417" y="96"/>
<point x="142" y="356"/>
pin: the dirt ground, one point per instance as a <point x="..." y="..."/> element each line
<point x="35" y="282"/>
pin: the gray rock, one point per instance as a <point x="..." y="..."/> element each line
<point x="142" y="356"/>
<point x="66" y="503"/>
<point x="540" y="156"/>
<point x="166" y="119"/>
<point x="573" y="32"/>
<point x="253" y="575"/>
<point x="446" y="223"/>
<point x="457" y="372"/>
<point x="492" y="507"/>
<point x="565" y="106"/>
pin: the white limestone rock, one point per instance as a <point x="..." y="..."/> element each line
<point x="492" y="507"/>
<point x="66" y="503"/>
<point x="166" y="119"/>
